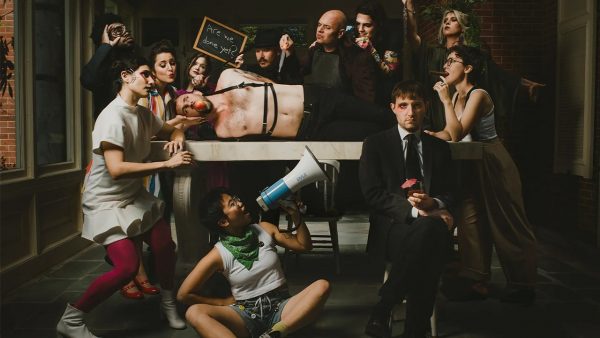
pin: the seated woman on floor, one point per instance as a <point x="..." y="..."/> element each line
<point x="260" y="304"/>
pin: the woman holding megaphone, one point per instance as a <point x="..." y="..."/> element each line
<point x="260" y="304"/>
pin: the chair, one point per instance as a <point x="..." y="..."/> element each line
<point x="399" y="311"/>
<point x="328" y="243"/>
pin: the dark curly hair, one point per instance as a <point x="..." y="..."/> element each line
<point x="100" y="22"/>
<point x="375" y="10"/>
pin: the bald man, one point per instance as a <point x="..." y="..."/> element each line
<point x="336" y="62"/>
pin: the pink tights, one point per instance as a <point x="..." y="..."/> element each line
<point x="125" y="265"/>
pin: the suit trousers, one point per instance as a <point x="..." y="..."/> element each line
<point x="418" y="252"/>
<point x="495" y="216"/>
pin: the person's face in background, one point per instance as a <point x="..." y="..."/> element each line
<point x="329" y="29"/>
<point x="267" y="56"/>
<point x="451" y="25"/>
<point x="119" y="30"/>
<point x="165" y="68"/>
<point x="365" y="27"/>
<point x="410" y="112"/>
<point x="199" y="67"/>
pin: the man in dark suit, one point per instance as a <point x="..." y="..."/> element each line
<point x="411" y="230"/>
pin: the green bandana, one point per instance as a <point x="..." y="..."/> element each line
<point x="244" y="249"/>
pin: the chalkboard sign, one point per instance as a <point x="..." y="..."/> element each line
<point x="219" y="41"/>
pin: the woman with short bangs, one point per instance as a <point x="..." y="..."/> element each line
<point x="117" y="209"/>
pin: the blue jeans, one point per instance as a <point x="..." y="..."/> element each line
<point x="261" y="313"/>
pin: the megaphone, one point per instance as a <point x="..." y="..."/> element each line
<point x="307" y="171"/>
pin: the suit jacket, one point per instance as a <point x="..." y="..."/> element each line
<point x="381" y="175"/>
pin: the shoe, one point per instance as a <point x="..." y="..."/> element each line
<point x="464" y="289"/>
<point x="521" y="296"/>
<point x="379" y="324"/>
<point x="131" y="291"/>
<point x="146" y="287"/>
<point x="169" y="310"/>
<point x="71" y="324"/>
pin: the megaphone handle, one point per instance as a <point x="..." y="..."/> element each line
<point x="292" y="229"/>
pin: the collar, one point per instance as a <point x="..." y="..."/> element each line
<point x="403" y="132"/>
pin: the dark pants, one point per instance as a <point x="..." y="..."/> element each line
<point x="418" y="252"/>
<point x="331" y="115"/>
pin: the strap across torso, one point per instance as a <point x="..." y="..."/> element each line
<point x="266" y="85"/>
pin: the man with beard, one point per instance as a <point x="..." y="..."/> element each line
<point x="113" y="41"/>
<point x="275" y="57"/>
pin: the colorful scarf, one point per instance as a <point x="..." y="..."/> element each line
<point x="244" y="249"/>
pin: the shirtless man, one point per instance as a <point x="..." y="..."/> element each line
<point x="237" y="109"/>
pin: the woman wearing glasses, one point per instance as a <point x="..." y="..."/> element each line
<point x="455" y="29"/>
<point x="117" y="208"/>
<point x="498" y="217"/>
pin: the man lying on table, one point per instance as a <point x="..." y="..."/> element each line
<point x="245" y="104"/>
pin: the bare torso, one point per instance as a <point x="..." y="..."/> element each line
<point x="240" y="111"/>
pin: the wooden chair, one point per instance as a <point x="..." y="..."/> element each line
<point x="325" y="243"/>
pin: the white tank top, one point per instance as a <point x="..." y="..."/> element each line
<point x="265" y="275"/>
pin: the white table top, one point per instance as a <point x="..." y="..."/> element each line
<point x="291" y="150"/>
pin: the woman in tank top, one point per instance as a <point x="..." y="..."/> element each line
<point x="260" y="304"/>
<point x="493" y="212"/>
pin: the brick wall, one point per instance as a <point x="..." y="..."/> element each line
<point x="8" y="148"/>
<point x="521" y="36"/>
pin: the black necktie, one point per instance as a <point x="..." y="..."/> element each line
<point x="412" y="165"/>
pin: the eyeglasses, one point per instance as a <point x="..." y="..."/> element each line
<point x="450" y="61"/>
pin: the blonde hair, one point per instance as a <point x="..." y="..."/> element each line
<point x="463" y="21"/>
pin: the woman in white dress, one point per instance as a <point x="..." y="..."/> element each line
<point x="117" y="208"/>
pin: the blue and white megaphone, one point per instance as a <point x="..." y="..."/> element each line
<point x="307" y="171"/>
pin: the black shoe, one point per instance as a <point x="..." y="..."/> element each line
<point x="522" y="296"/>
<point x="379" y="324"/>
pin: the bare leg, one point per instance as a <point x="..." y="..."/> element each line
<point x="304" y="307"/>
<point x="216" y="321"/>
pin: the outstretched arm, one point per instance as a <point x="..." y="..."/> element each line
<point x="188" y="291"/>
<point x="411" y="24"/>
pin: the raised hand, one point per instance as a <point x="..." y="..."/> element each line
<point x="286" y="44"/>
<point x="441" y="87"/>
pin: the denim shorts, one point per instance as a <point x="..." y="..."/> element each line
<point x="261" y="313"/>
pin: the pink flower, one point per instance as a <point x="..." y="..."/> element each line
<point x="408" y="183"/>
